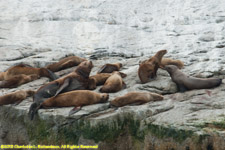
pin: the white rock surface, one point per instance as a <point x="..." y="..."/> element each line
<point x="40" y="32"/>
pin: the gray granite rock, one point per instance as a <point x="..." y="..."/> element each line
<point x="39" y="33"/>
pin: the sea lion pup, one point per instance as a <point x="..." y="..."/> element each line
<point x="147" y="70"/>
<point x="135" y="98"/>
<point x="185" y="82"/>
<point x="17" y="80"/>
<point x="169" y="61"/>
<point x="109" y="68"/>
<point x="113" y="84"/>
<point x="15" y="97"/>
<point x="65" y="63"/>
<point x="77" y="99"/>
<point x="28" y="70"/>
<point x="76" y="80"/>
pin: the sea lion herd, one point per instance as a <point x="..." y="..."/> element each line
<point x="74" y="89"/>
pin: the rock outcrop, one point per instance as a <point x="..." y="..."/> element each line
<point x="40" y="32"/>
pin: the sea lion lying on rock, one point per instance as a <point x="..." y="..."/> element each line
<point x="15" y="97"/>
<point x="113" y="84"/>
<point x="76" y="98"/>
<point x="27" y="70"/>
<point x="17" y="80"/>
<point x="135" y="98"/>
<point x="77" y="80"/>
<point x="185" y="82"/>
<point x="65" y="63"/>
<point x="109" y="68"/>
<point x="99" y="79"/>
<point x="147" y="69"/>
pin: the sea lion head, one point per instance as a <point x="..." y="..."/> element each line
<point x="119" y="65"/>
<point x="146" y="71"/>
<point x="156" y="97"/>
<point x="30" y="92"/>
<point x="104" y="97"/>
<point x="84" y="68"/>
<point x="170" y="69"/>
<point x="161" y="53"/>
<point x="116" y="102"/>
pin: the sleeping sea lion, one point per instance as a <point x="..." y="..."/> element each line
<point x="27" y="70"/>
<point x="77" y="99"/>
<point x="185" y="82"/>
<point x="109" y="68"/>
<point x="65" y="63"/>
<point x="77" y="80"/>
<point x="15" y="97"/>
<point x="147" y="70"/>
<point x="135" y="98"/>
<point x="17" y="80"/>
<point x="99" y="79"/>
<point x="113" y="84"/>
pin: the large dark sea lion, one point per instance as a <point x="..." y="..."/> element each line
<point x="76" y="98"/>
<point x="147" y="69"/>
<point x="109" y="68"/>
<point x="65" y="63"/>
<point x="185" y="82"/>
<point x="135" y="98"/>
<point x="77" y="80"/>
<point x="15" y="97"/>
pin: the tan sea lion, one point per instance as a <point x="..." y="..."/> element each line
<point x="77" y="99"/>
<point x="169" y="61"/>
<point x="27" y="70"/>
<point x="99" y="79"/>
<point x="135" y="98"/>
<point x="76" y="80"/>
<point x="147" y="70"/>
<point x="17" y="80"/>
<point x="109" y="68"/>
<point x="185" y="82"/>
<point x="65" y="63"/>
<point x="113" y="84"/>
<point x="15" y="97"/>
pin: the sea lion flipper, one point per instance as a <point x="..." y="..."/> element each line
<point x="181" y="88"/>
<point x="124" y="85"/>
<point x="16" y="103"/>
<point x="52" y="75"/>
<point x="65" y="84"/>
<point x="33" y="110"/>
<point x="74" y="110"/>
<point x="101" y="69"/>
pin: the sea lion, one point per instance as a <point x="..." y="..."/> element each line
<point x="169" y="61"/>
<point x="65" y="63"/>
<point x="185" y="82"/>
<point x="76" y="80"/>
<point x="17" y="80"/>
<point x="77" y="99"/>
<point x="135" y="98"/>
<point x="27" y="70"/>
<point x="147" y="70"/>
<point x="113" y="84"/>
<point x="15" y="97"/>
<point x="109" y="68"/>
<point x="99" y="79"/>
